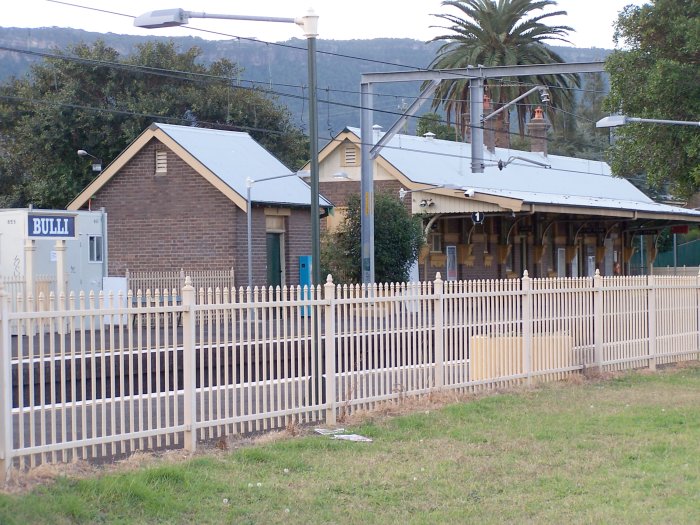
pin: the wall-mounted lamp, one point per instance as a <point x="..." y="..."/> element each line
<point x="425" y="203"/>
<point x="96" y="162"/>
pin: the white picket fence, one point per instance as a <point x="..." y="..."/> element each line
<point x="103" y="375"/>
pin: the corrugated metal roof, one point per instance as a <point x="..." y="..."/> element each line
<point x="234" y="156"/>
<point x="569" y="181"/>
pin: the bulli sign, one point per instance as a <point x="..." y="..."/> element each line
<point x="51" y="226"/>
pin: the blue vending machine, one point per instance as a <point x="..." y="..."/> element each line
<point x="305" y="278"/>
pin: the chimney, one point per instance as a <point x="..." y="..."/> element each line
<point x="537" y="129"/>
<point x="377" y="132"/>
<point x="489" y="131"/>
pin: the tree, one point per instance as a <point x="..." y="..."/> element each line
<point x="432" y="123"/>
<point x="89" y="97"/>
<point x="575" y="134"/>
<point x="657" y="76"/>
<point x="503" y="33"/>
<point x="398" y="236"/>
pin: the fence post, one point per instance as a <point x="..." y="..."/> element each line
<point x="527" y="326"/>
<point x="29" y="249"/>
<point x="189" y="364"/>
<point x="697" y="309"/>
<point x="6" y="431"/>
<point x="651" y="320"/>
<point x="329" y="350"/>
<point x="598" y="321"/>
<point x="438" y="312"/>
<point x="60" y="249"/>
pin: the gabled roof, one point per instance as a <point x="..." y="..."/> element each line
<point x="225" y="158"/>
<point x="567" y="182"/>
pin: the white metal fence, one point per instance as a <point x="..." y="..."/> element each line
<point x="167" y="281"/>
<point x="106" y="375"/>
<point x="689" y="271"/>
<point x="16" y="286"/>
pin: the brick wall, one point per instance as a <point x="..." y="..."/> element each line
<point x="297" y="242"/>
<point x="180" y="220"/>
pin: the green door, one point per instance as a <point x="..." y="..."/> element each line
<point x="274" y="261"/>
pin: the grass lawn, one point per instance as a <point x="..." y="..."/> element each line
<point x="624" y="450"/>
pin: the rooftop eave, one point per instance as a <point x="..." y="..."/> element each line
<point x="615" y="212"/>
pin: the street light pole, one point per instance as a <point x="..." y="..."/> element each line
<point x="249" y="229"/>
<point x="309" y="23"/>
<point x="314" y="169"/>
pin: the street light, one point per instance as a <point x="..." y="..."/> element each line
<point x="614" y="121"/>
<point x="96" y="162"/>
<point x="309" y="23"/>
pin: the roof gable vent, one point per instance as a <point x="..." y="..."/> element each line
<point x="161" y="162"/>
<point x="350" y="158"/>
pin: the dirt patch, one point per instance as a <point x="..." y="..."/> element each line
<point x="25" y="481"/>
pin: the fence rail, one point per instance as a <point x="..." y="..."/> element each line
<point x="102" y="375"/>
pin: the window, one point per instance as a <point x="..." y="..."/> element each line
<point x="274" y="223"/>
<point x="590" y="261"/>
<point x="561" y="262"/>
<point x="451" y="273"/>
<point x="435" y="242"/>
<point x="95" y="248"/>
<point x="161" y="162"/>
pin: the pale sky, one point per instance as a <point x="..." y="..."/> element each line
<point x="357" y="19"/>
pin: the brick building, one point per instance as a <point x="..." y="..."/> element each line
<point x="176" y="198"/>
<point x="549" y="215"/>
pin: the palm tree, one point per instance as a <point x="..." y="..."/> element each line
<point x="499" y="33"/>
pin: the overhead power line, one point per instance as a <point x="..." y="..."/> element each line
<point x="218" y="33"/>
<point x="208" y="77"/>
<point x="275" y="44"/>
<point x="204" y="77"/>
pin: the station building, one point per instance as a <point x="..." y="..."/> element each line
<point x="551" y="215"/>
<point x="177" y="198"/>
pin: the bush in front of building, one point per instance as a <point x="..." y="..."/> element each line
<point x="398" y="237"/>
